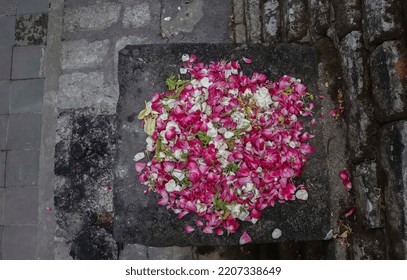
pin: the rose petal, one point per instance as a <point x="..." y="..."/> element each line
<point x="247" y="60"/>
<point x="189" y="229"/>
<point x="276" y="233"/>
<point x="245" y="238"/>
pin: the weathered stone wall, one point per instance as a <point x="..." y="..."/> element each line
<point x="370" y="41"/>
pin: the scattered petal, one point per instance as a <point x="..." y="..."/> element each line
<point x="276" y="233"/>
<point x="350" y="212"/>
<point x="167" y="18"/>
<point x="329" y="235"/>
<point x="189" y="229"/>
<point x="245" y="238"/>
<point x="332" y="113"/>
<point x="313" y="122"/>
<point x="344" y="174"/>
<point x="49" y="209"/>
<point x="183" y="71"/>
<point x="322" y="96"/>
<point x="301" y="194"/>
<point x="247" y="60"/>
<point x="139" y="156"/>
<point x="108" y="188"/>
<point x="199" y="223"/>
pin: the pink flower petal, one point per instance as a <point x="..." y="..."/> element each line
<point x="344" y="174"/>
<point x="199" y="223"/>
<point x="108" y="188"/>
<point x="208" y="230"/>
<point x="313" y="122"/>
<point x="219" y="231"/>
<point x="322" y="96"/>
<point x="247" y="60"/>
<point x="332" y="113"/>
<point x="245" y="238"/>
<point x="350" y="212"/>
<point x="140" y="166"/>
<point x="347" y="184"/>
<point x="189" y="229"/>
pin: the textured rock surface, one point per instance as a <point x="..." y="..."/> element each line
<point x="272" y="21"/>
<point x="82" y="54"/>
<point x="382" y="20"/>
<point x="388" y="64"/>
<point x="138" y="218"/>
<point x="295" y="20"/>
<point x="393" y="160"/>
<point x="239" y="23"/>
<point x="348" y="16"/>
<point x="369" y="195"/>
<point x="31" y="30"/>
<point x="359" y="113"/>
<point x="85" y="146"/>
<point x="320" y="19"/>
<point x="137" y="15"/>
<point x="253" y="21"/>
<point x="94" y="17"/>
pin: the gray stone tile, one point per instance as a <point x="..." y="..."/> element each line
<point x="2" y="174"/>
<point x="3" y="131"/>
<point x="32" y="7"/>
<point x="19" y="242"/>
<point x="5" y="87"/>
<point x="31" y="30"/>
<point x="5" y="65"/>
<point x="22" y="168"/>
<point x="7" y="26"/>
<point x="1" y="241"/>
<point x="21" y="206"/>
<point x="7" y="7"/>
<point x="27" y="62"/>
<point x="24" y="131"/>
<point x="26" y="96"/>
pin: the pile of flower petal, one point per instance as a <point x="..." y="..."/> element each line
<point x="223" y="145"/>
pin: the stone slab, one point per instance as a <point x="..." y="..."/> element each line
<point x="24" y="131"/>
<point x="3" y="129"/>
<point x="7" y="26"/>
<point x="7" y="7"/>
<point x="4" y="95"/>
<point x="138" y="219"/>
<point x="31" y="30"/>
<point x="32" y="7"/>
<point x="26" y="96"/>
<point x="2" y="174"/>
<point x="27" y="62"/>
<point x="22" y="168"/>
<point x="19" y="242"/>
<point x="20" y="206"/>
<point x="5" y="66"/>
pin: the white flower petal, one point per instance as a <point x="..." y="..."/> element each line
<point x="185" y="57"/>
<point x="276" y="233"/>
<point x="167" y="18"/>
<point x="183" y="71"/>
<point x="178" y="174"/>
<point x="301" y="194"/>
<point x="228" y="134"/>
<point x="139" y="156"/>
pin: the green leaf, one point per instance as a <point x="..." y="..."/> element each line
<point x="204" y="138"/>
<point x="158" y="147"/>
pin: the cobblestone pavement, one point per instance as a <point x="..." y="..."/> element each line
<point x="62" y="56"/>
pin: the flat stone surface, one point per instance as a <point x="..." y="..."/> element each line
<point x="295" y="18"/>
<point x="24" y="131"/>
<point x="136" y="16"/>
<point x="7" y="7"/>
<point x="5" y="66"/>
<point x="19" y="242"/>
<point x="20" y="206"/>
<point x="133" y="252"/>
<point x="81" y="90"/>
<point x="388" y="64"/>
<point x="393" y="160"/>
<point x="26" y="96"/>
<point x="139" y="219"/>
<point x="31" y="30"/>
<point x="3" y="129"/>
<point x="22" y="169"/>
<point x="27" y="62"/>
<point x="7" y="26"/>
<point x="32" y="7"/>
<point x="82" y="54"/>
<point x="2" y="176"/>
<point x="253" y="21"/>
<point x="272" y="21"/>
<point x="320" y="16"/>
<point x="382" y="20"/>
<point x="170" y="253"/>
<point x="239" y="21"/>
<point x="93" y="17"/>
<point x="4" y="95"/>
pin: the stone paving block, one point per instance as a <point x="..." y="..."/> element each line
<point x="27" y="62"/>
<point x="26" y="96"/>
<point x="136" y="16"/>
<point x="22" y="169"/>
<point x="80" y="90"/>
<point x="253" y="21"/>
<point x="1" y="240"/>
<point x="19" y="242"/>
<point x="272" y="21"/>
<point x="170" y="253"/>
<point x="388" y="64"/>
<point x="393" y="161"/>
<point x="5" y="87"/>
<point x="138" y="218"/>
<point x="295" y="19"/>
<point x="133" y="252"/>
<point x="32" y="6"/>
<point x="348" y="16"/>
<point x="3" y="131"/>
<point x="5" y="65"/>
<point x="24" y="131"/>
<point x="82" y="54"/>
<point x="7" y="7"/>
<point x="239" y="21"/>
<point x="382" y="20"/>
<point x="20" y="206"/>
<point x="320" y="19"/>
<point x="31" y="30"/>
<point x="90" y="18"/>
<point x="7" y="26"/>
<point x="2" y="176"/>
